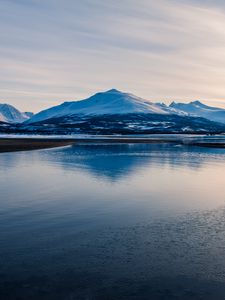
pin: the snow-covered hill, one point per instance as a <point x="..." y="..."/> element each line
<point x="106" y="103"/>
<point x="10" y="114"/>
<point x="198" y="109"/>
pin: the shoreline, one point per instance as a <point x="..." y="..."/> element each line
<point x="14" y="144"/>
<point x="26" y="144"/>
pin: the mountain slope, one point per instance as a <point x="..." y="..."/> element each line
<point x="106" y="103"/>
<point x="10" y="114"/>
<point x="137" y="123"/>
<point x="199" y="109"/>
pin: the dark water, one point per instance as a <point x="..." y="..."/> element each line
<point x="113" y="222"/>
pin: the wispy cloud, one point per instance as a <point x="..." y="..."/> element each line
<point x="162" y="50"/>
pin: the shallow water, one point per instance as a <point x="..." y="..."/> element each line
<point x="113" y="222"/>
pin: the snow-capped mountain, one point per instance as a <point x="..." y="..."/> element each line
<point x="114" y="102"/>
<point x="111" y="102"/>
<point x="115" y="112"/>
<point x="10" y="114"/>
<point x="198" y="109"/>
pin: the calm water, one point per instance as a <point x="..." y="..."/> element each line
<point x="113" y="222"/>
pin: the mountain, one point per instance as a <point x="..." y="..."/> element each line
<point x="114" y="102"/>
<point x="10" y="114"/>
<point x="111" y="102"/>
<point x="198" y="109"/>
<point x="115" y="112"/>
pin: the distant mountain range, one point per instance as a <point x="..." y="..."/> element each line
<point x="10" y="114"/>
<point x="116" y="112"/>
<point x="199" y="109"/>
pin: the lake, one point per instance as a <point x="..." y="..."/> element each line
<point x="113" y="221"/>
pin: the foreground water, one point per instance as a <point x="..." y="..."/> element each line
<point x="113" y="222"/>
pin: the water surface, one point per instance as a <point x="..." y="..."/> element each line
<point x="121" y="221"/>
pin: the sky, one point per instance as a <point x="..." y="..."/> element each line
<point x="53" y="51"/>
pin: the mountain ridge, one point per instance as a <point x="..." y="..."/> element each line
<point x="114" y="101"/>
<point x="199" y="109"/>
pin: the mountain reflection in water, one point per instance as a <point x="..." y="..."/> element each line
<point x="121" y="221"/>
<point x="114" y="161"/>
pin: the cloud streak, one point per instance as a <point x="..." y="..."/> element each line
<point x="53" y="51"/>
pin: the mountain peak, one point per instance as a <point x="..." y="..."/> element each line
<point x="197" y="102"/>
<point x="172" y="104"/>
<point x="113" y="91"/>
<point x="179" y="104"/>
<point x="5" y="105"/>
<point x="107" y="95"/>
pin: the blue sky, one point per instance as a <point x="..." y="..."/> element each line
<point x="164" y="50"/>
